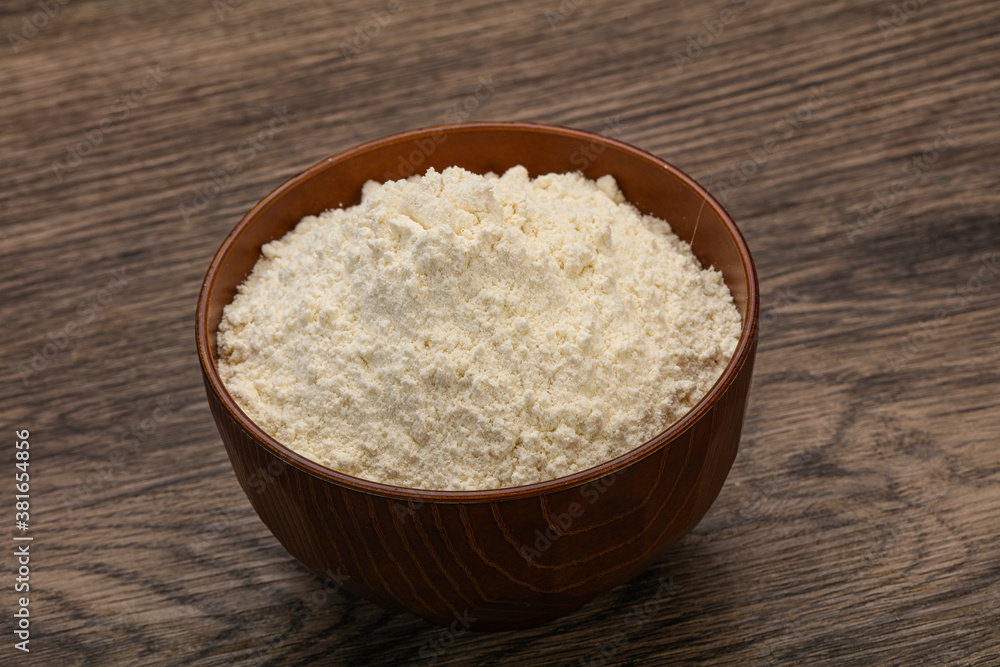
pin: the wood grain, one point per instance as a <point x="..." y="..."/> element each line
<point x="858" y="525"/>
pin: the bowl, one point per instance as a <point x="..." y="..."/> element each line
<point x="504" y="558"/>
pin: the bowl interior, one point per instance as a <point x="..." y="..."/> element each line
<point x="650" y="184"/>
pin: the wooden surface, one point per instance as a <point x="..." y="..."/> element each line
<point x="859" y="523"/>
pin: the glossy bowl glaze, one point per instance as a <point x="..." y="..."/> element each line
<point x="512" y="557"/>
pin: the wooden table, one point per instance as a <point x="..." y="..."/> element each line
<point x="856" y="144"/>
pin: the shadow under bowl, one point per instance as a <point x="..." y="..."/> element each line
<point x="508" y="558"/>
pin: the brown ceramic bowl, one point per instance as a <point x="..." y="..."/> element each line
<point x="511" y="557"/>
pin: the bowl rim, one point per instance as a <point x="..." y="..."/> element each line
<point x="290" y="457"/>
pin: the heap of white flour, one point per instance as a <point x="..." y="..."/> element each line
<point x="457" y="331"/>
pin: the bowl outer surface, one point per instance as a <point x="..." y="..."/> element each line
<point x="511" y="557"/>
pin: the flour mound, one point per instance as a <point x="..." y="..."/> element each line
<point x="457" y="331"/>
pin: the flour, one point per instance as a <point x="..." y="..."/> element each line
<point x="458" y="331"/>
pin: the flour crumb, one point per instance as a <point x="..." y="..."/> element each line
<point x="459" y="331"/>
